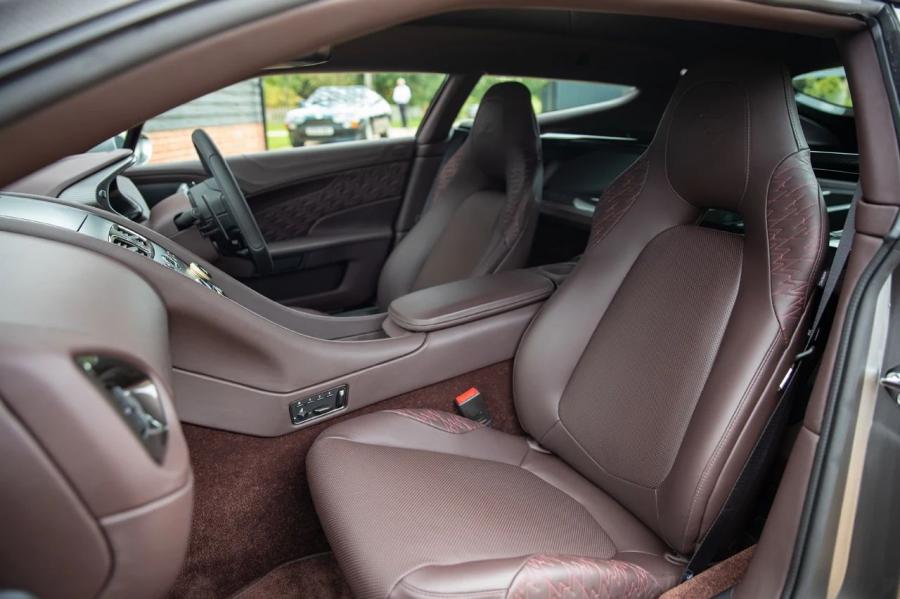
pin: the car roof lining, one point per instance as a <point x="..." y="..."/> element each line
<point x="561" y="44"/>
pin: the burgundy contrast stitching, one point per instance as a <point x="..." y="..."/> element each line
<point x="794" y="225"/>
<point x="551" y="576"/>
<point x="618" y="199"/>
<point x="445" y="421"/>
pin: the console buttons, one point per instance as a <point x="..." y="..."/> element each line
<point x="319" y="404"/>
<point x="199" y="272"/>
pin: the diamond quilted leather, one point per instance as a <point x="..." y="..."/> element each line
<point x="794" y="228"/>
<point x="294" y="217"/>
<point x="571" y="577"/>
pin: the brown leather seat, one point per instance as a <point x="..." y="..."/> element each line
<point x="482" y="210"/>
<point x="646" y="379"/>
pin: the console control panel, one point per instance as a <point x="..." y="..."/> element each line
<point x="134" y="242"/>
<point x="319" y="404"/>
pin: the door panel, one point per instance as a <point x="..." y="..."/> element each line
<point x="327" y="212"/>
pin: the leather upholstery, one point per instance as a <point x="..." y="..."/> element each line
<point x="409" y="505"/>
<point x="636" y="350"/>
<point x="482" y="211"/>
<point x="455" y="303"/>
<point x="649" y="375"/>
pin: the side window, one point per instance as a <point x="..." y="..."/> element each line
<point x="825" y="90"/>
<point x="293" y="110"/>
<point x="552" y="95"/>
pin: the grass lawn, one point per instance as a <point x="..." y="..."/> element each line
<point x="277" y="136"/>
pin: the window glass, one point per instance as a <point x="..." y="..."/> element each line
<point x="295" y="109"/>
<point x="826" y="90"/>
<point x="551" y="95"/>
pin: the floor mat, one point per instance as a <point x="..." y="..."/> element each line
<point x="314" y="576"/>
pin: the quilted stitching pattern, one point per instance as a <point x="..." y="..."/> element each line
<point x="295" y="216"/>
<point x="520" y="179"/>
<point x="571" y="577"/>
<point x="445" y="421"/>
<point x="450" y="170"/>
<point x="794" y="229"/>
<point x="618" y="199"/>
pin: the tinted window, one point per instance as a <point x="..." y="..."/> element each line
<point x="296" y="109"/>
<point x="551" y="95"/>
<point x="826" y="90"/>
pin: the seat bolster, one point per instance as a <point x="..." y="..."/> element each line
<point x="485" y="579"/>
<point x="430" y="430"/>
<point x="539" y="576"/>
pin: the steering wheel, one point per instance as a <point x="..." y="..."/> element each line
<point x="221" y="210"/>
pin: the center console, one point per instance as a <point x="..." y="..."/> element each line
<point x="244" y="363"/>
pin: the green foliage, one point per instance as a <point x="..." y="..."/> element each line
<point x="422" y="85"/>
<point x="535" y="86"/>
<point x="830" y="88"/>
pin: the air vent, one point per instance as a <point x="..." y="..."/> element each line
<point x="131" y="241"/>
<point x="134" y="397"/>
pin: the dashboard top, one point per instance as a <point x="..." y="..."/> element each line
<point x="54" y="178"/>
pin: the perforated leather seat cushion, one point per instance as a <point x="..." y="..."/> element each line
<point x="417" y="501"/>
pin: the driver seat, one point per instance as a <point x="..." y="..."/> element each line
<point x="643" y="383"/>
<point x="482" y="211"/>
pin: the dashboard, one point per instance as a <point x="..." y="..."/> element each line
<point x="93" y="225"/>
<point x="95" y="179"/>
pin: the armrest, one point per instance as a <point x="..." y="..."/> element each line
<point x="462" y="301"/>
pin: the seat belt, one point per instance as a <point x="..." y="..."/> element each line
<point x="734" y="510"/>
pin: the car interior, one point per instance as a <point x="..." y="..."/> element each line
<point x="587" y="352"/>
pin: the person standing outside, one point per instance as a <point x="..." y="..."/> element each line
<point x="402" y="96"/>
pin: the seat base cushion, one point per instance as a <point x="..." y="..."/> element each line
<point x="422" y="503"/>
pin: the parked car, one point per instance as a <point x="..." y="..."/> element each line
<point x="339" y="113"/>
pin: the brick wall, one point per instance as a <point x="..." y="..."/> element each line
<point x="175" y="144"/>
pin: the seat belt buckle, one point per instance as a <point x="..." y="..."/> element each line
<point x="471" y="404"/>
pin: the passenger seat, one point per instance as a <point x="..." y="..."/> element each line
<point x="643" y="383"/>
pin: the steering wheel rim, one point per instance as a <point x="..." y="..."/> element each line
<point x="233" y="202"/>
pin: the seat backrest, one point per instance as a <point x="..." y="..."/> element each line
<point x="482" y="210"/>
<point x="655" y="366"/>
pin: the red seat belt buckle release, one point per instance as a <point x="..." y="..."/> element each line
<point x="471" y="404"/>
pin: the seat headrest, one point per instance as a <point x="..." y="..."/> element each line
<point x="504" y="127"/>
<point x="730" y="121"/>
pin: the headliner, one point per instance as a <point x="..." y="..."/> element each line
<point x="562" y="44"/>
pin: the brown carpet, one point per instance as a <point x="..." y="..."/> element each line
<point x="317" y="576"/>
<point x="715" y="580"/>
<point x="252" y="507"/>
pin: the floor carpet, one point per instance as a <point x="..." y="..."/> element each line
<point x="252" y="506"/>
<point x="312" y="577"/>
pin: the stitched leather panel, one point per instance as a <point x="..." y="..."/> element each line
<point x="449" y="171"/>
<point x="617" y="199"/>
<point x="294" y="215"/>
<point x="571" y="577"/>
<point x="794" y="227"/>
<point x="445" y="421"/>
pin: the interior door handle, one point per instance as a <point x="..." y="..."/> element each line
<point x="891" y="382"/>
